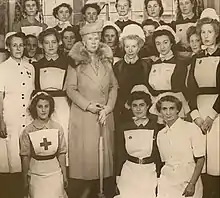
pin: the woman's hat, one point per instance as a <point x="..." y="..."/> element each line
<point x="110" y="23"/>
<point x="185" y="107"/>
<point x="209" y="13"/>
<point x="168" y="28"/>
<point x="132" y="29"/>
<point x="91" y="28"/>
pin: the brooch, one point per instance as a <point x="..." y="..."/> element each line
<point x="130" y="137"/>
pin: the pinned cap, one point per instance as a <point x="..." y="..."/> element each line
<point x="110" y="23"/>
<point x="89" y="28"/>
<point x="185" y="107"/>
<point x="209" y="13"/>
<point x="168" y="28"/>
<point x="139" y="88"/>
<point x="132" y="29"/>
<point x="7" y="36"/>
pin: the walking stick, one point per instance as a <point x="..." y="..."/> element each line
<point x="101" y="162"/>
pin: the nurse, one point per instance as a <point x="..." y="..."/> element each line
<point x="204" y="86"/>
<point x="137" y="152"/>
<point x="16" y="86"/>
<point x="182" y="149"/>
<point x="167" y="73"/>
<point x="30" y="25"/>
<point x="51" y="74"/>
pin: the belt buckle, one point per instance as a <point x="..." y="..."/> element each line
<point x="140" y="161"/>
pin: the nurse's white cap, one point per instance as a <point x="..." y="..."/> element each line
<point x="168" y="28"/>
<point x="209" y="13"/>
<point x="110" y="23"/>
<point x="8" y="35"/>
<point x="132" y="29"/>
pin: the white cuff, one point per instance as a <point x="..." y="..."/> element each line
<point x="195" y="114"/>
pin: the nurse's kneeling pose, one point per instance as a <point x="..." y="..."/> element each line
<point x="182" y="149"/>
<point x="137" y="153"/>
<point x="43" y="151"/>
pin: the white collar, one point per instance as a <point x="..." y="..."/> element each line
<point x="64" y="25"/>
<point x="138" y="121"/>
<point x="168" y="56"/>
<point x="174" y="126"/>
<point x="130" y="61"/>
<point x="209" y="49"/>
<point x="53" y="57"/>
<point x="188" y="16"/>
<point x="123" y="18"/>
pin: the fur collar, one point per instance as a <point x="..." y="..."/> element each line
<point x="81" y="56"/>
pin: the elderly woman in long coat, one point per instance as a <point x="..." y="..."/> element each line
<point x="92" y="87"/>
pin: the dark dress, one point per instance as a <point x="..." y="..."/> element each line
<point x="128" y="75"/>
<point x="204" y="89"/>
<point x="122" y="24"/>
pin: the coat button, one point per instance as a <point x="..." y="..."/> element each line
<point x="23" y="105"/>
<point x="23" y="125"/>
<point x="23" y="115"/>
<point x="22" y="98"/>
<point x="130" y="137"/>
<point x="22" y="94"/>
<point x="21" y="72"/>
<point x="23" y="83"/>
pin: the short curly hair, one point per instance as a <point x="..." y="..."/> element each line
<point x="207" y="20"/>
<point x="132" y="37"/>
<point x="161" y="33"/>
<point x="66" y="5"/>
<point x="159" y="3"/>
<point x="41" y="96"/>
<point x="37" y="4"/>
<point x="47" y="32"/>
<point x="18" y="34"/>
<point x="139" y="95"/>
<point x="91" y="5"/>
<point x="169" y="98"/>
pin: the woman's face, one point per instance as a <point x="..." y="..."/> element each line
<point x="69" y="39"/>
<point x="208" y="35"/>
<point x="31" y="47"/>
<point x="63" y="14"/>
<point x="139" y="108"/>
<point x="195" y="43"/>
<point x="153" y="9"/>
<point x="91" y="15"/>
<point x="148" y="30"/>
<point x="122" y="7"/>
<point x="43" y="109"/>
<point x="110" y="37"/>
<point x="16" y="47"/>
<point x="186" y="6"/>
<point x="131" y="47"/>
<point x="30" y="8"/>
<point x="169" y="112"/>
<point x="50" y="44"/>
<point x="91" y="42"/>
<point x="163" y="44"/>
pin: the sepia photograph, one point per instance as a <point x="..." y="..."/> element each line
<point x="109" y="98"/>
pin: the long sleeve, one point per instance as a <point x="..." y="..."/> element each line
<point x="112" y="92"/>
<point x="72" y="89"/>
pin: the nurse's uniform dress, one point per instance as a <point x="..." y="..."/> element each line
<point x="168" y="75"/>
<point x="204" y="86"/>
<point x="17" y="84"/>
<point x="50" y="77"/>
<point x="178" y="145"/>
<point x="181" y="26"/>
<point x="137" y="155"/>
<point x="43" y="144"/>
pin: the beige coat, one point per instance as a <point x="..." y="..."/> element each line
<point x="83" y="87"/>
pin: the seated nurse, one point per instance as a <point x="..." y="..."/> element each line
<point x="182" y="149"/>
<point x="136" y="149"/>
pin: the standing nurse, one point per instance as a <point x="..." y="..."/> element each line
<point x="16" y="86"/>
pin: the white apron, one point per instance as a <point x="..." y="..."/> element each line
<point x="138" y="180"/>
<point x="205" y="74"/>
<point x="18" y="83"/>
<point x="52" y="78"/>
<point x="46" y="179"/>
